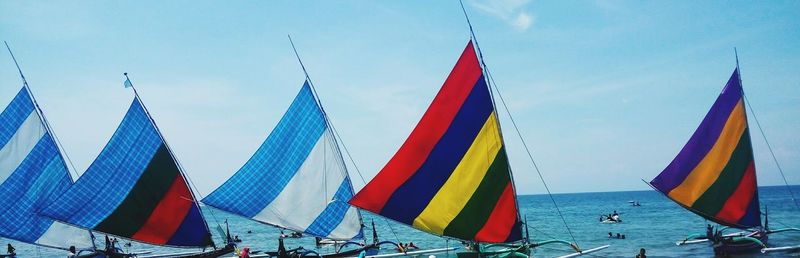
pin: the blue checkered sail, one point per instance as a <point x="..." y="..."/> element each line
<point x="32" y="171"/>
<point x="297" y="179"/>
<point x="134" y="189"/>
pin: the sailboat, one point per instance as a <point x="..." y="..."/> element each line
<point x="136" y="189"/>
<point x="32" y="169"/>
<point x="714" y="176"/>
<point x="451" y="177"/>
<point x="297" y="180"/>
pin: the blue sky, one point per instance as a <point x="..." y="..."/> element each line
<point x="605" y="92"/>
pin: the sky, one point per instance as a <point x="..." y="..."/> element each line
<point x="605" y="93"/>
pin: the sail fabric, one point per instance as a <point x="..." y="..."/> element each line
<point x="714" y="174"/>
<point x="134" y="189"/>
<point x="31" y="171"/>
<point x="451" y="176"/>
<point x="296" y="179"/>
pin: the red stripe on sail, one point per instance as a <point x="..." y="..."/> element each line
<point x="503" y="218"/>
<point x="736" y="205"/>
<point x="434" y="123"/>
<point x="168" y="215"/>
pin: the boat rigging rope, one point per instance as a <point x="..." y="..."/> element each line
<point x="530" y="156"/>
<point x="494" y="85"/>
<point x="763" y="135"/>
<point x="786" y="182"/>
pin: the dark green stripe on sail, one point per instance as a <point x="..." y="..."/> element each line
<point x="480" y="206"/>
<point x="143" y="198"/>
<point x="713" y="199"/>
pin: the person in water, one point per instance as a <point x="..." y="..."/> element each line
<point x="72" y="252"/>
<point x="411" y="245"/>
<point x="11" y="249"/>
<point x="641" y="253"/>
<point x="610" y="235"/>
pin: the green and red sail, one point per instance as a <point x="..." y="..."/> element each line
<point x="451" y="176"/>
<point x="714" y="174"/>
<point x="134" y="189"/>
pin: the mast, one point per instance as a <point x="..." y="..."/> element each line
<point x="40" y="113"/>
<point x="494" y="105"/>
<point x="299" y="149"/>
<point x="714" y="174"/>
<point x="171" y="153"/>
<point x="51" y="134"/>
<point x="328" y="123"/>
<point x="490" y="82"/>
<point x="763" y="135"/>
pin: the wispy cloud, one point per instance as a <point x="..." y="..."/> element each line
<point x="511" y="11"/>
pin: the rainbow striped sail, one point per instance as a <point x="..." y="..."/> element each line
<point x="134" y="189"/>
<point x="451" y="176"/>
<point x="714" y="174"/>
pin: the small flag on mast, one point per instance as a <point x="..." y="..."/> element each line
<point x="128" y="83"/>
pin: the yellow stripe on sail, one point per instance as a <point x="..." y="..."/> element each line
<point x="709" y="169"/>
<point x="462" y="183"/>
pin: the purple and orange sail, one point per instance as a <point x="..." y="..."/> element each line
<point x="451" y="176"/>
<point x="714" y="174"/>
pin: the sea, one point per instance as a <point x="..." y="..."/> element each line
<point x="656" y="226"/>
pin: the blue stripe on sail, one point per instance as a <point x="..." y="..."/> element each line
<point x="188" y="233"/>
<point x="334" y="213"/>
<point x="15" y="113"/>
<point x="40" y="174"/>
<point x="269" y="170"/>
<point x="109" y="179"/>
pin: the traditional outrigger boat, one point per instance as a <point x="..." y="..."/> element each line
<point x="714" y="176"/>
<point x="451" y="177"/>
<point x="136" y="189"/>
<point x="303" y="182"/>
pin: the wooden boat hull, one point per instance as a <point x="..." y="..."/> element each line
<point x="369" y="249"/>
<point x="511" y="252"/>
<point x="730" y="247"/>
<point x="213" y="254"/>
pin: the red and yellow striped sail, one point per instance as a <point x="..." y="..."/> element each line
<point x="451" y="176"/>
<point x="714" y="175"/>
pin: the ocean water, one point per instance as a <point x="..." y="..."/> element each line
<point x="655" y="226"/>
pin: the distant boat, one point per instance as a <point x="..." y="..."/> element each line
<point x="714" y="176"/>
<point x="136" y="189"/>
<point x="451" y="177"/>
